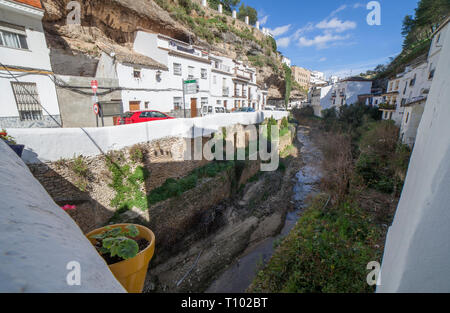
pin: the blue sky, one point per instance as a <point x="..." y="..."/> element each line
<point x="333" y="36"/>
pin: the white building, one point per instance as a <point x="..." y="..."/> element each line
<point x="141" y="78"/>
<point x="184" y="62"/>
<point x="29" y="95"/>
<point x="347" y="91"/>
<point x="407" y="93"/>
<point x="245" y="87"/>
<point x="320" y="99"/>
<point x="222" y="85"/>
<point x="318" y="78"/>
<point x="286" y="61"/>
<point x="417" y="248"/>
<point x="415" y="85"/>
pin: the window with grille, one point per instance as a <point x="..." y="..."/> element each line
<point x="12" y="36"/>
<point x="177" y="69"/>
<point x="204" y="101"/>
<point x="204" y="73"/>
<point x="177" y="103"/>
<point x="27" y="99"/>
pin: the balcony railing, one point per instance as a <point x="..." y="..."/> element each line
<point x="221" y="67"/>
<point x="387" y="106"/>
<point x="242" y="74"/>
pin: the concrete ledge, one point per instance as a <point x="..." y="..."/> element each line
<point x="38" y="239"/>
<point x="49" y="145"/>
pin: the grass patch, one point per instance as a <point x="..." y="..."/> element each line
<point x="176" y="187"/>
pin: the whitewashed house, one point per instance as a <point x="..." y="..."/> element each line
<point x="28" y="92"/>
<point x="221" y="82"/>
<point x="321" y="99"/>
<point x="184" y="62"/>
<point x="347" y="91"/>
<point x="245" y="87"/>
<point x="141" y="78"/>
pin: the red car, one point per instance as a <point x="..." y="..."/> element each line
<point x="142" y="117"/>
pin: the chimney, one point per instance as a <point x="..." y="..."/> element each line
<point x="204" y="3"/>
<point x="234" y="14"/>
<point x="247" y="20"/>
<point x="257" y="25"/>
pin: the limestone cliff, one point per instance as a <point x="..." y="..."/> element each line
<point x="116" y="21"/>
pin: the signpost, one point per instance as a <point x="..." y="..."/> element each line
<point x="190" y="87"/>
<point x="97" y="106"/>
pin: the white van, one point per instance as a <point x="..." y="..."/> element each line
<point x="212" y="109"/>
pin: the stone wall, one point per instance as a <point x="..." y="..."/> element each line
<point x="16" y="122"/>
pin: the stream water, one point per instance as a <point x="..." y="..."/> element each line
<point x="238" y="277"/>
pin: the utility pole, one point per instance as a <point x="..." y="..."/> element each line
<point x="184" y="99"/>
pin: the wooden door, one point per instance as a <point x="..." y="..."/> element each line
<point x="193" y="107"/>
<point x="135" y="106"/>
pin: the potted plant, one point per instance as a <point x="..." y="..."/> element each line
<point x="18" y="149"/>
<point x="127" y="249"/>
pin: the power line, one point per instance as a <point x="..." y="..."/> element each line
<point x="31" y="95"/>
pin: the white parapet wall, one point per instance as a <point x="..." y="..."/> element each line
<point x="49" y="145"/>
<point x="417" y="253"/>
<point x="39" y="242"/>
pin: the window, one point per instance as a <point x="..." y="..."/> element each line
<point x="438" y="39"/>
<point x="215" y="80"/>
<point x="177" y="103"/>
<point x="407" y="118"/>
<point x="177" y="69"/>
<point x="27" y="100"/>
<point x="413" y="81"/>
<point x="190" y="72"/>
<point x="204" y="73"/>
<point x="204" y="101"/>
<point x="12" y="36"/>
<point x="431" y="76"/>
<point x="146" y="103"/>
<point x="219" y="102"/>
<point x="137" y="73"/>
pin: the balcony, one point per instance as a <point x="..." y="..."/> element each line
<point x="242" y="74"/>
<point x="387" y="107"/>
<point x="221" y="67"/>
<point x="333" y="94"/>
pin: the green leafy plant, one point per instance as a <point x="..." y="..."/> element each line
<point x="117" y="242"/>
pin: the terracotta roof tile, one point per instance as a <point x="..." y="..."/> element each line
<point x="33" y="3"/>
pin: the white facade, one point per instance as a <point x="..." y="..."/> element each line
<point x="321" y="99"/>
<point x="24" y="52"/>
<point x="221" y="83"/>
<point x="184" y="62"/>
<point x="318" y="78"/>
<point x="286" y="61"/>
<point x="417" y="248"/>
<point x="415" y="88"/>
<point x="245" y="87"/>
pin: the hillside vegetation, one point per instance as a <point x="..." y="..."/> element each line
<point x="417" y="31"/>
<point x="343" y="228"/>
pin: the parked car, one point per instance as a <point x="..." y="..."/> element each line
<point x="212" y="109"/>
<point x="244" y="109"/>
<point x="142" y="117"/>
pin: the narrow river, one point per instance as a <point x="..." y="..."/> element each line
<point x="238" y="277"/>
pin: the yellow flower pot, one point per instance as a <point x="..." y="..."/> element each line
<point x="131" y="273"/>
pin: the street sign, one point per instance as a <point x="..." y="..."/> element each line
<point x="96" y="109"/>
<point x="94" y="86"/>
<point x="190" y="86"/>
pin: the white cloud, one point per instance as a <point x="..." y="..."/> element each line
<point x="284" y="42"/>
<point x="263" y="20"/>
<point x="358" y="5"/>
<point x="341" y="8"/>
<point x="280" y="30"/>
<point x="307" y="28"/>
<point x="323" y="59"/>
<point x="336" y="24"/>
<point x="321" y="41"/>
